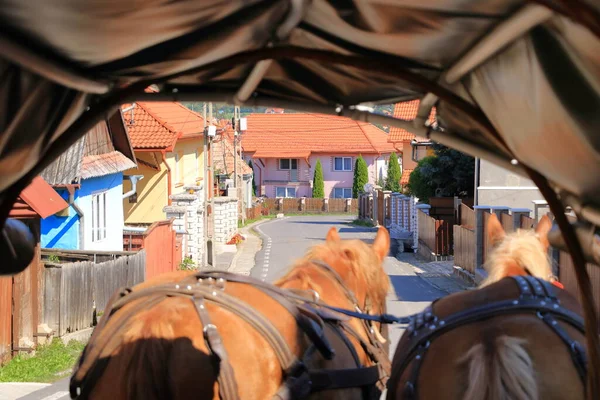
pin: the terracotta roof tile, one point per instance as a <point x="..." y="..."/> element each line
<point x="313" y="133"/>
<point x="223" y="155"/>
<point x="158" y="125"/>
<point x="405" y="176"/>
<point x="407" y="111"/>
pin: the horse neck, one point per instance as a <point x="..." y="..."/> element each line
<point x="309" y="276"/>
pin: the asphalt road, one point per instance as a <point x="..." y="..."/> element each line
<point x="287" y="239"/>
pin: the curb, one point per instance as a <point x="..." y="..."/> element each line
<point x="247" y="229"/>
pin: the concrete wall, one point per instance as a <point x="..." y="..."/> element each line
<point x="152" y="191"/>
<point x="61" y="232"/>
<point x="500" y="187"/>
<point x="113" y="186"/>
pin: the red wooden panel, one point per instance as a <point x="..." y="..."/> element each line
<point x="5" y="318"/>
<point x="160" y="245"/>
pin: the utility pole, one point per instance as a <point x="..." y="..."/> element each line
<point x="206" y="198"/>
<point x="211" y="187"/>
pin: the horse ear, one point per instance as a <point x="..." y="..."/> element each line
<point x="381" y="245"/>
<point x="495" y="230"/>
<point x="332" y="235"/>
<point x="542" y="229"/>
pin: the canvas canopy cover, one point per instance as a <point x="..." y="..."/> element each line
<point x="515" y="82"/>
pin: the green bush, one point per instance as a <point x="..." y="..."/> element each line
<point x="187" y="264"/>
<point x="318" y="191"/>
<point x="361" y="176"/>
<point x="393" y="175"/>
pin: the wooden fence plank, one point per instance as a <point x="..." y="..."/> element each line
<point x="6" y="284"/>
<point x="464" y="248"/>
<point x="467" y="217"/>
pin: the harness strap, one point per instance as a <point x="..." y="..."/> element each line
<point x="227" y="384"/>
<point x="344" y="378"/>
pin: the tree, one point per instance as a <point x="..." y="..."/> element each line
<point x="393" y="175"/>
<point x="318" y="191"/>
<point x="361" y="176"/>
<point x="448" y="173"/>
<point x="253" y="181"/>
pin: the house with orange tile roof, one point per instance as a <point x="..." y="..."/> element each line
<point x="285" y="149"/>
<point x="168" y="142"/>
<point x="412" y="147"/>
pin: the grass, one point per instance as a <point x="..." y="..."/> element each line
<point x="360" y="222"/>
<point x="50" y="363"/>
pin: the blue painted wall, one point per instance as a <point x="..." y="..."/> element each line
<point x="61" y="232"/>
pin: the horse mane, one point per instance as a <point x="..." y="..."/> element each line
<point x="352" y="258"/>
<point x="518" y="250"/>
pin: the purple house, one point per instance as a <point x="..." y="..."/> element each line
<point x="284" y="149"/>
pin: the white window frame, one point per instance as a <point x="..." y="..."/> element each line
<point x="287" y="194"/>
<point x="290" y="166"/>
<point x="99" y="225"/>
<point x="344" y="192"/>
<point x="343" y="167"/>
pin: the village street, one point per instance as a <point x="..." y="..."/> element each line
<point x="284" y="240"/>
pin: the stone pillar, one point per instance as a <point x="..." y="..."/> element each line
<point x="326" y="204"/>
<point x="479" y="234"/>
<point x="414" y="222"/>
<point x="226" y="215"/>
<point x="188" y="210"/>
<point x="303" y="204"/>
<point x="280" y="204"/>
<point x="516" y="214"/>
<point x="375" y="208"/>
<point x="348" y="205"/>
<point x="387" y="194"/>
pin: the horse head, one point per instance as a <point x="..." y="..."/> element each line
<point x="524" y="252"/>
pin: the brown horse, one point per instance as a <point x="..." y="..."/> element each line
<point x="212" y="335"/>
<point x="517" y="337"/>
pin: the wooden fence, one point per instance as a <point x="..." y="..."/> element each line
<point x="20" y="305"/>
<point x="72" y="290"/>
<point x="566" y="276"/>
<point x="5" y="318"/>
<point x="435" y="234"/>
<point x="163" y="247"/>
<point x="302" y="205"/>
<point x="464" y="248"/>
<point x="467" y="217"/>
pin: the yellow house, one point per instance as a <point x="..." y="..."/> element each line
<point x="168" y="142"/>
<point x="413" y="148"/>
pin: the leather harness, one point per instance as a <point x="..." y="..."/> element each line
<point x="312" y="318"/>
<point x="536" y="296"/>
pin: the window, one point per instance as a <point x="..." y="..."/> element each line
<point x="342" y="193"/>
<point x="288" y="163"/>
<point x="342" y="163"/>
<point x="285" y="192"/>
<point x="98" y="217"/>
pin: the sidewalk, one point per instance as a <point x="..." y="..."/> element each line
<point x="244" y="258"/>
<point x="439" y="274"/>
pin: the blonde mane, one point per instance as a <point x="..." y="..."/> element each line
<point x="523" y="249"/>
